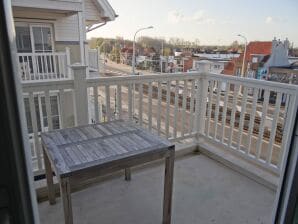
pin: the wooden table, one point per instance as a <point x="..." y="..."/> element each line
<point x="84" y="152"/>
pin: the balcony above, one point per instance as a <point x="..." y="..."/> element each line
<point x="46" y="7"/>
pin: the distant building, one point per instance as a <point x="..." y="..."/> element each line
<point x="209" y="65"/>
<point x="255" y="53"/>
<point x="260" y="59"/>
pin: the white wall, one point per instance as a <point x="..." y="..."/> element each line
<point x="66" y="29"/>
<point x="209" y="66"/>
<point x="91" y="11"/>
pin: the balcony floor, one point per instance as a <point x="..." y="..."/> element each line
<point x="205" y="192"/>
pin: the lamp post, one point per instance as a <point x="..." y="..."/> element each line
<point x="243" y="62"/>
<point x="134" y="46"/>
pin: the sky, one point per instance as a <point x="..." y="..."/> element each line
<point x="213" y="22"/>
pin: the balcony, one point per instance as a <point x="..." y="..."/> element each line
<point x="51" y="66"/>
<point x="242" y="123"/>
<point x="204" y="192"/>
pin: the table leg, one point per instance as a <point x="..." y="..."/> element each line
<point x="168" y="187"/>
<point x="49" y="176"/>
<point x="127" y="174"/>
<point x="66" y="200"/>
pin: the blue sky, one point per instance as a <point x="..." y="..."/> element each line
<point x="210" y="21"/>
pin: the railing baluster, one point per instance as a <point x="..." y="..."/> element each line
<point x="62" y="108"/>
<point x="209" y="106"/>
<point x="63" y="65"/>
<point x="129" y="89"/>
<point x="36" y="68"/>
<point x="224" y="113"/>
<point x="252" y="118"/>
<point x="35" y="130"/>
<point x="150" y="106"/>
<point x="262" y="124"/>
<point x="141" y="104"/>
<point x="119" y="101"/>
<point x="218" y="94"/>
<point x="176" y="108"/>
<point x="273" y="128"/>
<point x="168" y="108"/>
<point x="191" y="106"/>
<point x="46" y="70"/>
<point x="232" y="118"/>
<point x="48" y="109"/>
<point x="183" y="107"/>
<point x="159" y="95"/>
<point x="60" y="71"/>
<point x="242" y="116"/>
<point x="96" y="109"/>
<point x="108" y="103"/>
<point x="51" y="58"/>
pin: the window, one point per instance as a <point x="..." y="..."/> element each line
<point x="23" y="39"/>
<point x="255" y="60"/>
<point x="32" y="38"/>
<point x="41" y="113"/>
<point x="42" y="38"/>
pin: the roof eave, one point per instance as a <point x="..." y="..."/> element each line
<point x="105" y="9"/>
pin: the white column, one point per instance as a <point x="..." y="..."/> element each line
<point x="82" y="35"/>
<point x="80" y="94"/>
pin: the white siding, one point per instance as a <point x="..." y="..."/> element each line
<point x="91" y="11"/>
<point x="66" y="29"/>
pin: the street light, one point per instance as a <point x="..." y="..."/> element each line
<point x="133" y="47"/>
<point x="245" y="39"/>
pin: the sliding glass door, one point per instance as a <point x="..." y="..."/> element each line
<point x="35" y="45"/>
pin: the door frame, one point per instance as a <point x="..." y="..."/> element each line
<point x="287" y="195"/>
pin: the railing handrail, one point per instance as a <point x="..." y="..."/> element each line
<point x="182" y="76"/>
<point x="42" y="53"/>
<point x="41" y="85"/>
<point x="286" y="88"/>
<point x="253" y="82"/>
<point x="92" y="50"/>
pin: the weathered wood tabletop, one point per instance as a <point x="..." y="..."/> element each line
<point x="108" y="146"/>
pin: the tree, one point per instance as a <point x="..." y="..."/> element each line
<point x="167" y="51"/>
<point x="234" y="44"/>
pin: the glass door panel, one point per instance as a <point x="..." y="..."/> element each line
<point x="42" y="38"/>
<point x="42" y="42"/>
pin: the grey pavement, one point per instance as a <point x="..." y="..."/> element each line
<point x="205" y="192"/>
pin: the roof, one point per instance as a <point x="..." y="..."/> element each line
<point x="257" y="47"/>
<point x="105" y="9"/>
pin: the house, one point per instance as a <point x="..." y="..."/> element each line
<point x="259" y="58"/>
<point x="255" y="51"/>
<point x="210" y="65"/>
<point x="126" y="55"/>
<point x="51" y="36"/>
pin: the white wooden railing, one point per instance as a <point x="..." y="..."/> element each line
<point x="44" y="66"/>
<point x="250" y="118"/>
